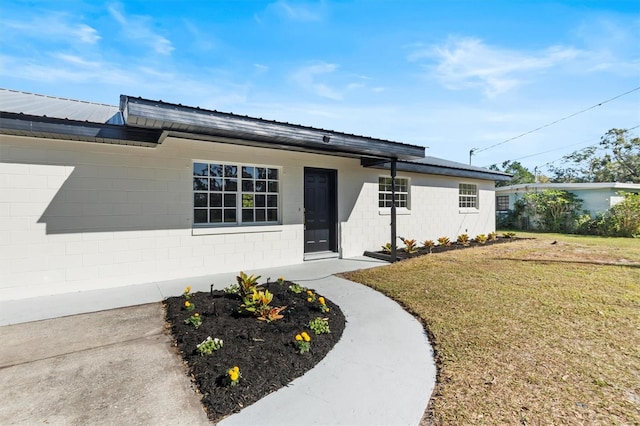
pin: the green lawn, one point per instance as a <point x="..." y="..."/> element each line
<point x="537" y="331"/>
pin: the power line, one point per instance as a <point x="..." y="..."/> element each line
<point x="475" y="151"/>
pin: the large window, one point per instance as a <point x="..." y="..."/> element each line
<point x="384" y="192"/>
<point x="235" y="194"/>
<point x="468" y="195"/>
<point x="502" y="203"/>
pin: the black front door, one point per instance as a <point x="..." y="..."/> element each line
<point x="320" y="210"/>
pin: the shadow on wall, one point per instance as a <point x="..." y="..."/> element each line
<point x="109" y="198"/>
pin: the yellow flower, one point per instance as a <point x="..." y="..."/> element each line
<point x="321" y="300"/>
<point x="196" y="315"/>
<point x="280" y="278"/>
<point x="309" y="292"/>
<point x="234" y="373"/>
<point x="298" y="337"/>
<point x="187" y="304"/>
<point x="188" y="289"/>
<point x="309" y="299"/>
<point x="305" y="336"/>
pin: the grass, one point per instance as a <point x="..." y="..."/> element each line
<point x="537" y="331"/>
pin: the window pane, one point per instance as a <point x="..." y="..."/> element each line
<point x="261" y="186"/>
<point x="247" y="172"/>
<point x="200" y="216"/>
<point x="272" y="200"/>
<point x="231" y="185"/>
<point x="199" y="200"/>
<point x="200" y="184"/>
<point x="273" y="186"/>
<point x="247" y="185"/>
<point x="200" y="169"/>
<point x="215" y="170"/>
<point x="231" y="171"/>
<point x="215" y="215"/>
<point x="261" y="215"/>
<point x="261" y="200"/>
<point x="215" y="184"/>
<point x="229" y="200"/>
<point x="215" y="200"/>
<point x="247" y="215"/>
<point x="247" y="200"/>
<point x="273" y="174"/>
<point x="272" y="215"/>
<point x="229" y="215"/>
<point x="261" y="173"/>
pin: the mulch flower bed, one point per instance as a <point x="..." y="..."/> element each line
<point x="422" y="251"/>
<point x="264" y="352"/>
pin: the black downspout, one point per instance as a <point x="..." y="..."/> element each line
<point x="393" y="210"/>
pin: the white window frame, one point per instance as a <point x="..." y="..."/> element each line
<point x="241" y="190"/>
<point x="468" y="197"/>
<point x="403" y="193"/>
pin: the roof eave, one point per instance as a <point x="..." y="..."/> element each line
<point x="183" y="120"/>
<point x="446" y="171"/>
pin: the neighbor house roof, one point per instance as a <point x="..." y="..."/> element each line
<point x="525" y="187"/>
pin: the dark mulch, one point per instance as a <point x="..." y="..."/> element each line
<point x="264" y="352"/>
<point x="422" y="251"/>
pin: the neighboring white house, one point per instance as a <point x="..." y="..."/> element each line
<point x="596" y="197"/>
<point x="98" y="196"/>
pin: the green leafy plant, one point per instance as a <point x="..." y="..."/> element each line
<point x="257" y="304"/>
<point x="195" y="320"/>
<point x="189" y="306"/>
<point x="463" y="239"/>
<point x="247" y="283"/>
<point x="410" y="246"/>
<point x="232" y="289"/>
<point x="187" y="292"/>
<point x="444" y="241"/>
<point x="209" y="346"/>
<point x="509" y="235"/>
<point x="233" y="376"/>
<point x="319" y="325"/>
<point x="387" y="248"/>
<point x="303" y="342"/>
<point x="481" y="239"/>
<point x="492" y="236"/>
<point x="297" y="288"/>
<point x="269" y="313"/>
<point x="429" y="244"/>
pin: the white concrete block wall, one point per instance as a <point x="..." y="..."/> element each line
<point x="79" y="216"/>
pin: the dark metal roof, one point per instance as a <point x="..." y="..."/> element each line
<point x="56" y="128"/>
<point x="438" y="166"/>
<point x="205" y="124"/>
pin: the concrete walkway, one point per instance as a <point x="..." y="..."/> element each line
<point x="117" y="366"/>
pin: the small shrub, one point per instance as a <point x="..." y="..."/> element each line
<point x="187" y="292"/>
<point x="319" y="325"/>
<point x="492" y="236"/>
<point x="189" y="306"/>
<point x="444" y="241"/>
<point x="247" y="283"/>
<point x="268" y="313"/>
<point x="509" y="235"/>
<point x="463" y="239"/>
<point x="410" y="246"/>
<point x="481" y="239"/>
<point x="209" y="346"/>
<point x="387" y="248"/>
<point x="323" y="305"/>
<point x="429" y="244"/>
<point x="232" y="289"/>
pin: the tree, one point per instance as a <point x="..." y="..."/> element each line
<point x="615" y="159"/>
<point x="554" y="210"/>
<point x="520" y="173"/>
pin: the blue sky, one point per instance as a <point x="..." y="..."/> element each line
<point x="449" y="75"/>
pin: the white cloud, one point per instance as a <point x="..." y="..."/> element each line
<point x="462" y="63"/>
<point x="308" y="76"/>
<point x="304" y="12"/>
<point x="137" y="28"/>
<point x="55" y="26"/>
